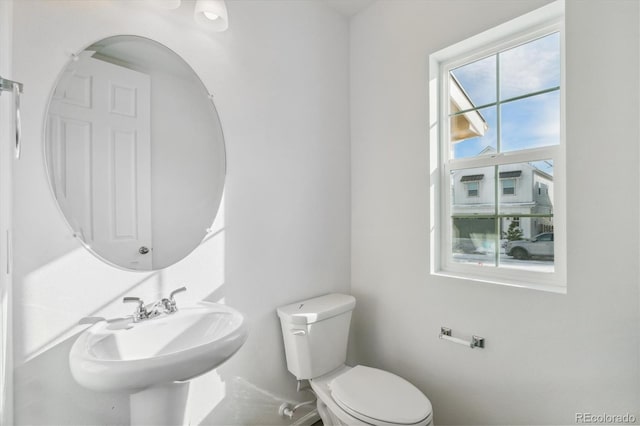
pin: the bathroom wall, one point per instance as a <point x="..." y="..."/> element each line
<point x="280" y="79"/>
<point x="548" y="356"/>
<point x="7" y="141"/>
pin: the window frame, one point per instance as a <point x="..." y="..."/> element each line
<point x="538" y="23"/>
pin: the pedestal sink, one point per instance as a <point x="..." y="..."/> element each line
<point x="153" y="359"/>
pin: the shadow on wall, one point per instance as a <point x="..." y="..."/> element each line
<point x="67" y="402"/>
<point x="156" y="278"/>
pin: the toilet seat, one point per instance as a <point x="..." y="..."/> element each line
<point x="380" y="398"/>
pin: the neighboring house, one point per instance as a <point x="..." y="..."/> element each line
<point x="522" y="190"/>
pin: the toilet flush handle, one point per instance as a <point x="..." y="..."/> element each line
<point x="299" y="332"/>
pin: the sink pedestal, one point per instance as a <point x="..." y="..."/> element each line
<point x="161" y="405"/>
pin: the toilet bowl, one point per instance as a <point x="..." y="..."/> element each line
<point x="315" y="333"/>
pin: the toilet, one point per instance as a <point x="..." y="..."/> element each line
<point x="315" y="333"/>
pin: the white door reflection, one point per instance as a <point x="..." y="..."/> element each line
<point x="99" y="123"/>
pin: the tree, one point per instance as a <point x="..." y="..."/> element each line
<point x="514" y="232"/>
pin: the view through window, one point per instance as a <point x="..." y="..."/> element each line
<point x="501" y="147"/>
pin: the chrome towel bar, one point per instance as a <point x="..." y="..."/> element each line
<point x="476" y="341"/>
<point x="17" y="89"/>
<point x="7" y="85"/>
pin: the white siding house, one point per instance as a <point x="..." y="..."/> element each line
<point x="523" y="190"/>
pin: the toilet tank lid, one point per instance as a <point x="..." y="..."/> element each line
<point x="317" y="309"/>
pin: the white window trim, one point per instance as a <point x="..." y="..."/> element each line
<point x="540" y="22"/>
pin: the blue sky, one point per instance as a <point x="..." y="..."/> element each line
<point x="525" y="123"/>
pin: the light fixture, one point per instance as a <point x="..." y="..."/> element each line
<point x="167" y="4"/>
<point x="212" y="13"/>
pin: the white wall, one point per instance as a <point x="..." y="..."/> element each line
<point x="7" y="141"/>
<point x="280" y="76"/>
<point x="548" y="356"/>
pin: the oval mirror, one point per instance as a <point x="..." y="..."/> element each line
<point x="134" y="152"/>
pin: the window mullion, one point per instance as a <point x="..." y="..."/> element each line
<point x="523" y="156"/>
<point x="504" y="101"/>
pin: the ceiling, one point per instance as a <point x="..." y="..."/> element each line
<point x="348" y="7"/>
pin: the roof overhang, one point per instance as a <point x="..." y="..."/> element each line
<point x="466" y="125"/>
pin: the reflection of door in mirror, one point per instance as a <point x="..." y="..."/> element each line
<point x="99" y="124"/>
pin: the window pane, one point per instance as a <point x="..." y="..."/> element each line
<point x="529" y="215"/>
<point x="474" y="133"/>
<point x="543" y="166"/>
<point x="473" y="191"/>
<point x="531" y="122"/>
<point x="508" y="186"/>
<point x="474" y="240"/>
<point x="534" y="253"/>
<point x="477" y="81"/>
<point x="533" y="191"/>
<point x="530" y="67"/>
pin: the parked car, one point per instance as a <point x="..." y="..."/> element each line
<point x="541" y="245"/>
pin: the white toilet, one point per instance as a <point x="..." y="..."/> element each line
<point x="315" y="333"/>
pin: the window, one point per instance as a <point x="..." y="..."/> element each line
<point x="508" y="186"/>
<point x="499" y="122"/>
<point x="545" y="237"/>
<point x="472" y="189"/>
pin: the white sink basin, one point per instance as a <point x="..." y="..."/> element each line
<point x="123" y="355"/>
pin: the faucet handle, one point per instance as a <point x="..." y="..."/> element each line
<point x="176" y="291"/>
<point x="137" y="300"/>
<point x="170" y="303"/>
<point x="141" y="311"/>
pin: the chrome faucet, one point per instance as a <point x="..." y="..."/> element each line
<point x="169" y="305"/>
<point x="162" y="306"/>
<point x="141" y="312"/>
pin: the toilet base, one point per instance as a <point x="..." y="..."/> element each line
<point x="327" y="416"/>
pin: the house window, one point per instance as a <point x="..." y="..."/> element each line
<point x="472" y="189"/>
<point x="472" y="184"/>
<point x="500" y="115"/>
<point x="508" y="186"/>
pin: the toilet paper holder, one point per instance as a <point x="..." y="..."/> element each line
<point x="476" y="341"/>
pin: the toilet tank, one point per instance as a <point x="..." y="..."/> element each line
<point x="315" y="333"/>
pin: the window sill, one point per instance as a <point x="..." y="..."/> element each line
<point x="550" y="288"/>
